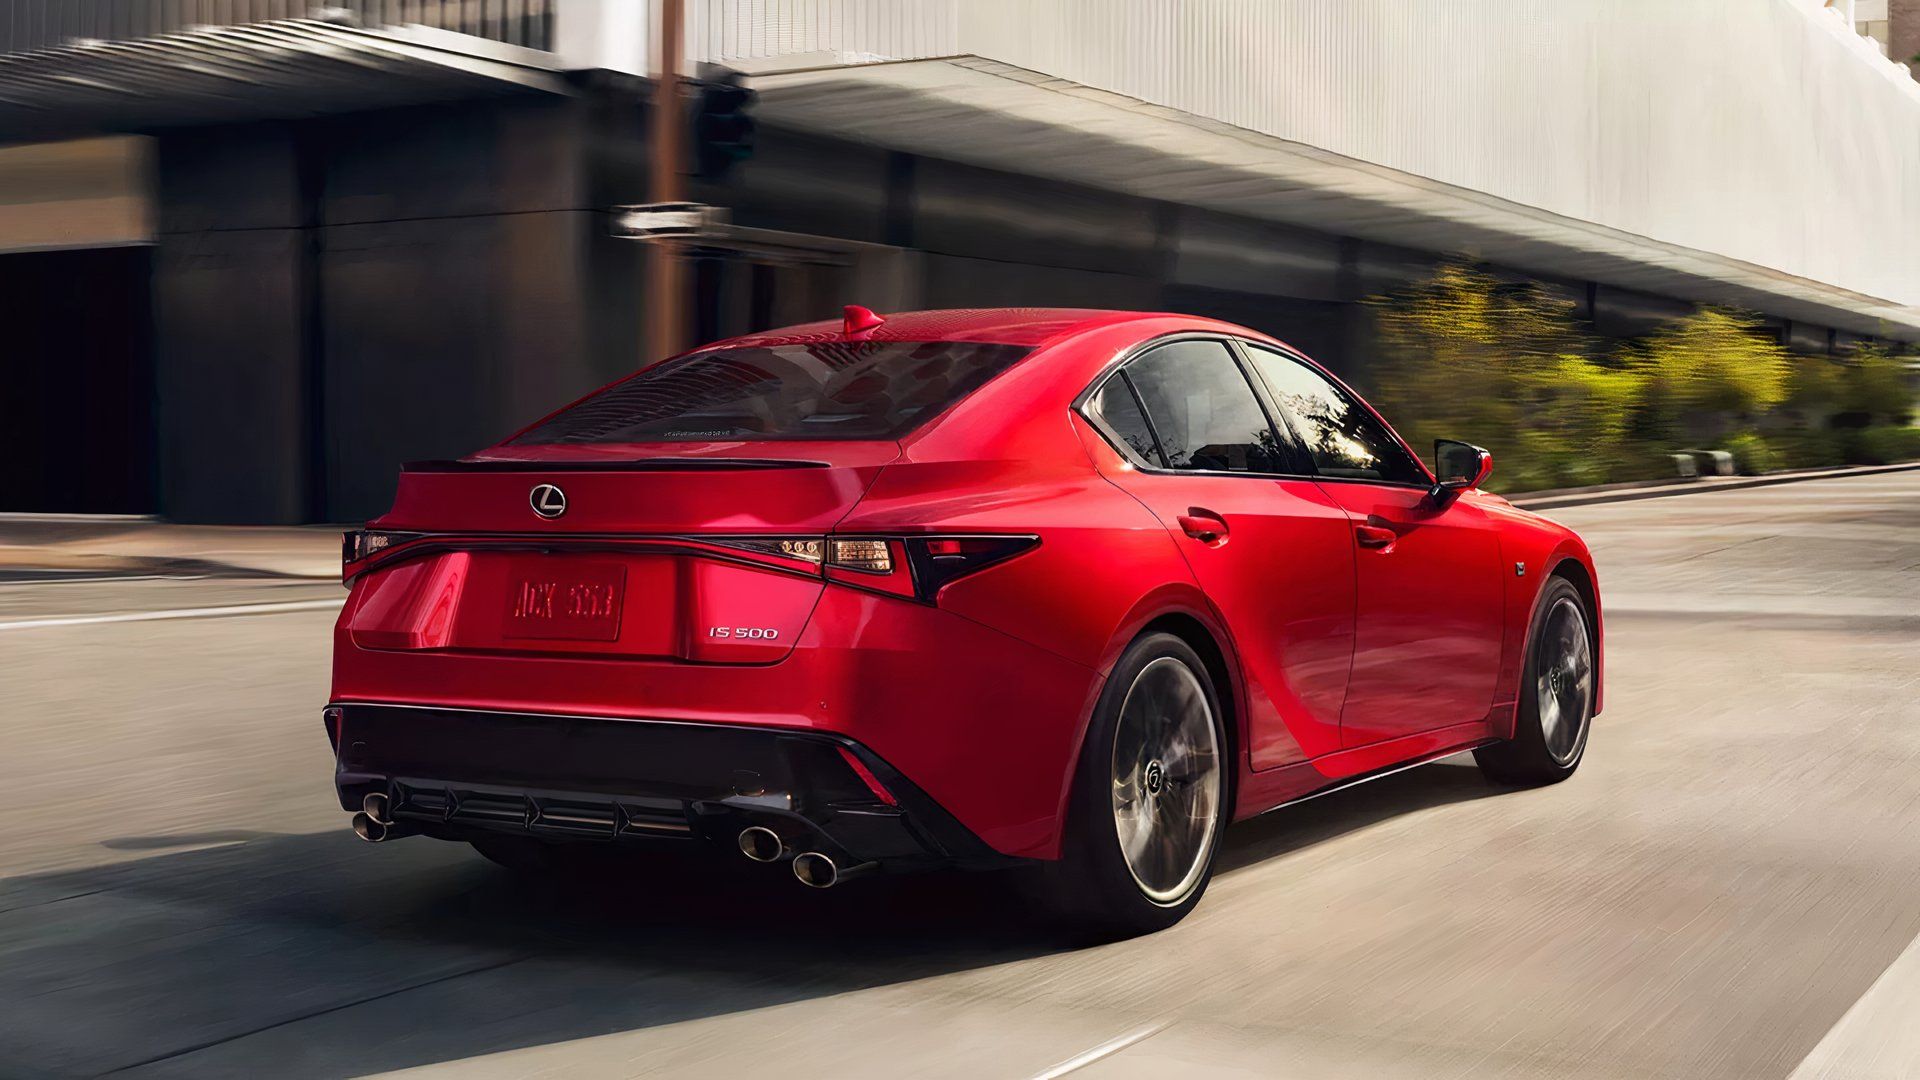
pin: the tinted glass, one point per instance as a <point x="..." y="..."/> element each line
<point x="830" y="390"/>
<point x="1203" y="410"/>
<point x="1341" y="435"/>
<point x="1116" y="408"/>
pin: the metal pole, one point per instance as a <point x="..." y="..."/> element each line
<point x="663" y="314"/>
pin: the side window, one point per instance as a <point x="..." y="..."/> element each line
<point x="1344" y="439"/>
<point x="1116" y="408"/>
<point x="1203" y="411"/>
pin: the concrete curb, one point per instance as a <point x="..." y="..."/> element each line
<point x="1657" y="489"/>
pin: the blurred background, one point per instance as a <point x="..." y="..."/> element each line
<point x="1660" y="256"/>
<point x="260" y="253"/>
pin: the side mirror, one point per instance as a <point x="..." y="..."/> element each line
<point x="1457" y="466"/>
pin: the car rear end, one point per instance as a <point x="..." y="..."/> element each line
<point x="639" y="619"/>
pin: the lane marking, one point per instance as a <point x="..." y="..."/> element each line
<point x="1877" y="1036"/>
<point x="1104" y="1050"/>
<point x="279" y="608"/>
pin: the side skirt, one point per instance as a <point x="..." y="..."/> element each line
<point x="1273" y="789"/>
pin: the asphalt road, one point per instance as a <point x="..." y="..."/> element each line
<point x="1729" y="888"/>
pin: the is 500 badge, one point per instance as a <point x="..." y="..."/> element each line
<point x="748" y="633"/>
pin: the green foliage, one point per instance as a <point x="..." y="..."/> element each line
<point x="1707" y="370"/>
<point x="1875" y="387"/>
<point x="1809" y="448"/>
<point x="1814" y="384"/>
<point x="1882" y="444"/>
<point x="1464" y="355"/>
<point x="1753" y="454"/>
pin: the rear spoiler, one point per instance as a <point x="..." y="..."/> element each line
<point x="652" y="464"/>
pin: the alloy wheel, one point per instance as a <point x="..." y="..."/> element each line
<point x="1167" y="784"/>
<point x="1563" y="679"/>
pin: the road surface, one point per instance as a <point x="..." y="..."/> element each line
<point x="1730" y="887"/>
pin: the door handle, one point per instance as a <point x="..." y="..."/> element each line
<point x="1374" y="536"/>
<point x="1203" y="525"/>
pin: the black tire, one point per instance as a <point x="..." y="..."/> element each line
<point x="1544" y="753"/>
<point x="1093" y="887"/>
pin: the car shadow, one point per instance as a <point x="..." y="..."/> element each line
<point x="315" y="955"/>
<point x="1323" y="818"/>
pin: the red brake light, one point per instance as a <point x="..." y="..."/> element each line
<point x="916" y="567"/>
<point x="939" y="560"/>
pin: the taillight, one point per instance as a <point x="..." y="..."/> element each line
<point x="916" y="567"/>
<point x="359" y="545"/>
<point x="912" y="567"/>
<point x="938" y="560"/>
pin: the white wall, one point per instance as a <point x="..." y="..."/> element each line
<point x="1762" y="130"/>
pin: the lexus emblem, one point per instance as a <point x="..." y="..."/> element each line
<point x="547" y="500"/>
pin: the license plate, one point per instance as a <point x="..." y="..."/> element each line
<point x="567" y="600"/>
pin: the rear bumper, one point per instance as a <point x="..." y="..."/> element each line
<point x="461" y="773"/>
<point x="986" y="724"/>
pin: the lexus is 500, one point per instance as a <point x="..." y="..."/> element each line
<point x="1063" y="589"/>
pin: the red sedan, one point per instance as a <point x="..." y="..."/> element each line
<point x="1062" y="589"/>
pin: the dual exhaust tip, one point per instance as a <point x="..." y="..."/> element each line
<point x="761" y="844"/>
<point x="374" y="822"/>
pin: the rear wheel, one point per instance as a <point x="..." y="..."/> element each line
<point x="1149" y="800"/>
<point x="1556" y="695"/>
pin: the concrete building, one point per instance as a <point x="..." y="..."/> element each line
<point x="254" y="261"/>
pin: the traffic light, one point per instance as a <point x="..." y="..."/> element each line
<point x="722" y="130"/>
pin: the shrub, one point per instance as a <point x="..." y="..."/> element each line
<point x="1706" y="371"/>
<point x="1873" y="387"/>
<point x="1809" y="448"/>
<point x="1882" y="444"/>
<point x="1813" y="385"/>
<point x="1753" y="454"/>
<point x="1465" y="355"/>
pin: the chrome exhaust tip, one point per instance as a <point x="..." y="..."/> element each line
<point x="378" y="807"/>
<point x="820" y="872"/>
<point x="368" y="829"/>
<point x="761" y="844"/>
<point x="815" y="870"/>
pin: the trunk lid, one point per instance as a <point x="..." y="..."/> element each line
<point x="637" y="564"/>
<point x="744" y="488"/>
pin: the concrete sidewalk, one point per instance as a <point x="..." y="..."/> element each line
<point x="37" y="546"/>
<point x="34" y="546"/>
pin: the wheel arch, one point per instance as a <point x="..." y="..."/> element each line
<point x="1212" y="653"/>
<point x="1579" y="573"/>
<point x="1181" y="610"/>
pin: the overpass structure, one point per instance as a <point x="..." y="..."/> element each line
<point x="272" y="255"/>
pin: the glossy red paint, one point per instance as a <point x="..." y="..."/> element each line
<point x="1430" y="612"/>
<point x="1357" y="625"/>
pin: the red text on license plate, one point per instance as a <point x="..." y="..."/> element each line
<point x="569" y="599"/>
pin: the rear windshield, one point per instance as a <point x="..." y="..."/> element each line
<point x="831" y="390"/>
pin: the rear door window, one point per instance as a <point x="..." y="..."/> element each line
<point x="1203" y="410"/>
<point x="1343" y="438"/>
<point x="825" y="390"/>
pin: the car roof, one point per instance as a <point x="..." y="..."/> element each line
<point x="1001" y="326"/>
